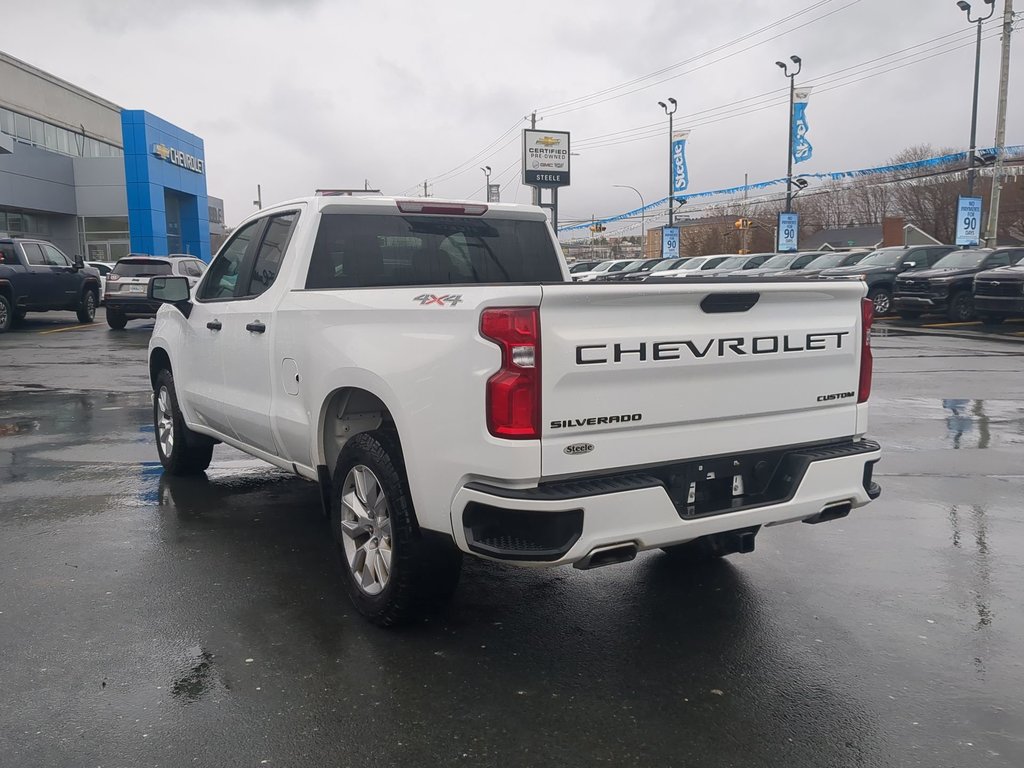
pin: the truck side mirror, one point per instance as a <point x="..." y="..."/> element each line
<point x="79" y="262"/>
<point x="173" y="290"/>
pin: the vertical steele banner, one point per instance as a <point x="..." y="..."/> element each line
<point x="680" y="174"/>
<point x="802" y="149"/>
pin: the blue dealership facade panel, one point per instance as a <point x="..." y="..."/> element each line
<point x="165" y="177"/>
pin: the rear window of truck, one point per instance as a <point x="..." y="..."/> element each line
<point x="7" y="255"/>
<point x="142" y="268"/>
<point x="367" y="250"/>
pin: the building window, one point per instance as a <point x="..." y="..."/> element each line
<point x="51" y="137"/>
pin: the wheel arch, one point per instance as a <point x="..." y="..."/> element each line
<point x="345" y="413"/>
<point x="158" y="360"/>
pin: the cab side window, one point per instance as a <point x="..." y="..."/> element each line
<point x="7" y="255"/>
<point x="221" y="281"/>
<point x="803" y="261"/>
<point x="1001" y="259"/>
<point x="271" y="253"/>
<point x="34" y="254"/>
<point x="54" y="257"/>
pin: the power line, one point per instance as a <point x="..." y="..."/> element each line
<point x="728" y="113"/>
<point x="690" y="60"/>
<point x="699" y="67"/>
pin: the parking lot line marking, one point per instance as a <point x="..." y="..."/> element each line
<point x="69" y="328"/>
<point x="950" y="325"/>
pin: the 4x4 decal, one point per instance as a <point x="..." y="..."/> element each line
<point x="448" y="300"/>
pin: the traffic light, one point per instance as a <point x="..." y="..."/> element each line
<point x="598" y="228"/>
<point x="743" y="224"/>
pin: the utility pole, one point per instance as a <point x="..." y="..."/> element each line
<point x="743" y="232"/>
<point x="535" y="195"/>
<point x="425" y="193"/>
<point x="992" y="229"/>
<point x="671" y="175"/>
<point x="258" y="202"/>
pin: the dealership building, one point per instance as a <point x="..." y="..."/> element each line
<point x="97" y="179"/>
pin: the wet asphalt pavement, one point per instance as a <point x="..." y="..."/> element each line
<point x="150" y="621"/>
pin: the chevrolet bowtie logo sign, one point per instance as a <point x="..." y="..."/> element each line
<point x="549" y="141"/>
<point x="178" y="158"/>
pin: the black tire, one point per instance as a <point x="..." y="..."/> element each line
<point x="186" y="452"/>
<point x="992" y="319"/>
<point x="116" y="320"/>
<point x="961" y="307"/>
<point x="908" y="314"/>
<point x="87" y="306"/>
<point x="423" y="568"/>
<point x="7" y="315"/>
<point x="882" y="299"/>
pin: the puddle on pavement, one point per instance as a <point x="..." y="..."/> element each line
<point x="957" y="423"/>
<point x="198" y="677"/>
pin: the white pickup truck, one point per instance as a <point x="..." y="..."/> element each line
<point x="431" y="365"/>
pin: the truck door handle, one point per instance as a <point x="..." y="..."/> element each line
<point x="256" y="327"/>
<point x="214" y="325"/>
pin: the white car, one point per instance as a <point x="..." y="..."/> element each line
<point x="103" y="268"/>
<point x="427" y="363"/>
<point x="696" y="264"/>
<point x="604" y="268"/>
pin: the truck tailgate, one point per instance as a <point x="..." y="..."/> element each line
<point x="642" y="374"/>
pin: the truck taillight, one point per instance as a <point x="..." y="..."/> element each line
<point x="113" y="277"/>
<point x="513" y="393"/>
<point x="867" y="362"/>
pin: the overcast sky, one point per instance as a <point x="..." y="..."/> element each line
<point x="303" y="94"/>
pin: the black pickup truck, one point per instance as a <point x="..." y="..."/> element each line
<point x="946" y="287"/>
<point x="999" y="293"/>
<point x="35" y="276"/>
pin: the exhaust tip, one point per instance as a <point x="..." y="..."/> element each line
<point x="831" y="512"/>
<point x="607" y="555"/>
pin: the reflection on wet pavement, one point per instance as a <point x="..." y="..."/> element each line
<point x="152" y="620"/>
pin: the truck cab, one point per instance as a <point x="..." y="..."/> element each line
<point x="36" y="276"/>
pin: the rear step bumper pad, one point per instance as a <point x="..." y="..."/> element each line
<point x="562" y="522"/>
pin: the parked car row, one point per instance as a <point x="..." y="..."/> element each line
<point x="36" y="276"/>
<point x="912" y="280"/>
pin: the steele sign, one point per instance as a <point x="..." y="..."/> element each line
<point x="545" y="158"/>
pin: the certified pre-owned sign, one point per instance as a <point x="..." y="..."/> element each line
<point x="178" y="158"/>
<point x="545" y="158"/>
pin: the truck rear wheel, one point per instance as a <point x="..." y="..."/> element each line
<point x="393" y="571"/>
<point x="881" y="298"/>
<point x="181" y="451"/>
<point x="87" y="307"/>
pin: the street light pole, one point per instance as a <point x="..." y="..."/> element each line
<point x="487" y="182"/>
<point x="964" y="6"/>
<point x="642" y="205"/>
<point x="789" y="139"/>
<point x="671" y="190"/>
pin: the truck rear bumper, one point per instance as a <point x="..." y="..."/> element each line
<point x="565" y="522"/>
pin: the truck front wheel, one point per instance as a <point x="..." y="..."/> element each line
<point x="181" y="451"/>
<point x="393" y="571"/>
<point x="87" y="306"/>
<point x="6" y="314"/>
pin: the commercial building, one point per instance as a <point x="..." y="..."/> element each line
<point x="97" y="179"/>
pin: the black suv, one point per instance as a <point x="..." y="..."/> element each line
<point x="880" y="268"/>
<point x="946" y="287"/>
<point x="36" y="276"/>
<point x="999" y="293"/>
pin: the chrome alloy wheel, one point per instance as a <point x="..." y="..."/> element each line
<point x="165" y="421"/>
<point x="882" y="303"/>
<point x="366" y="529"/>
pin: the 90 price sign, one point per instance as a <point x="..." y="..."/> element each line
<point x="968" y="221"/>
<point x="788" y="232"/>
